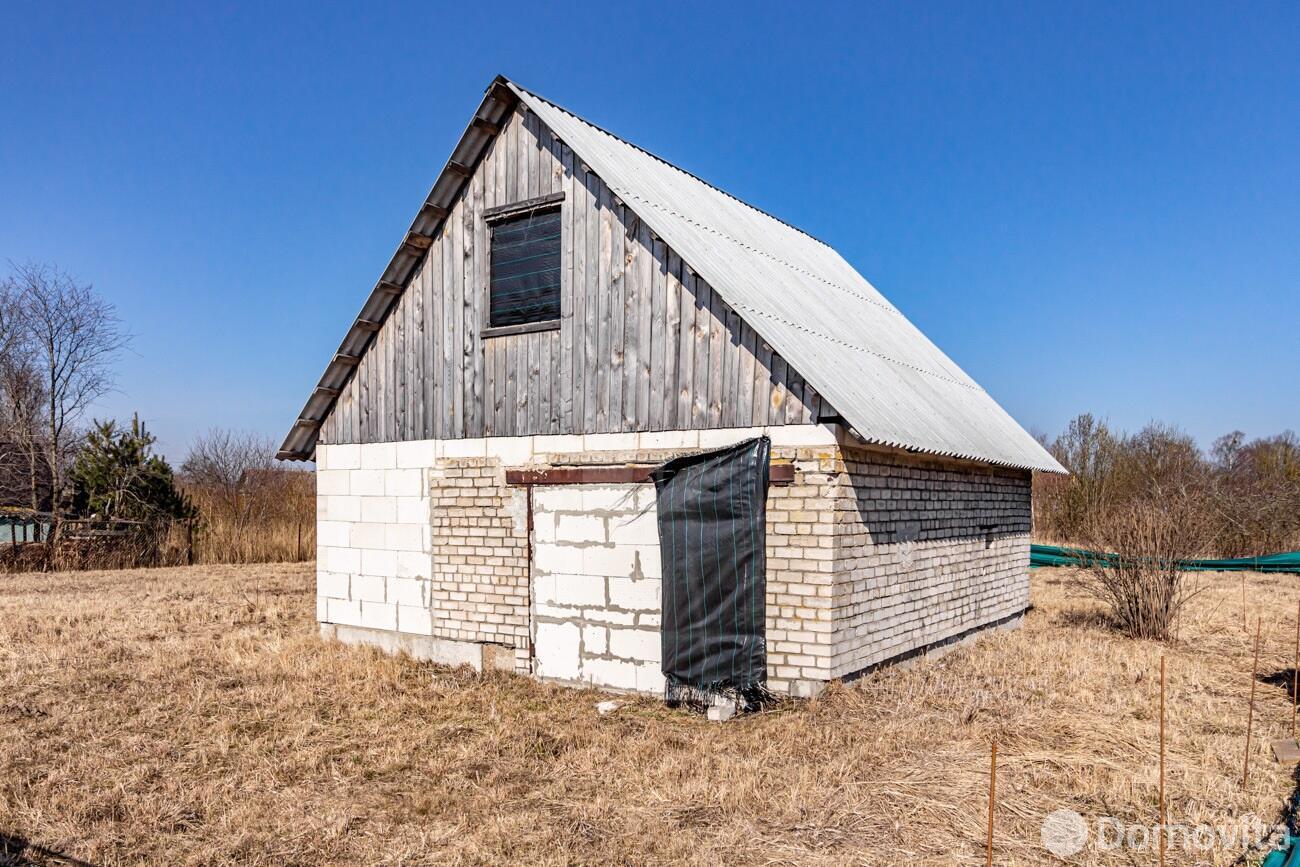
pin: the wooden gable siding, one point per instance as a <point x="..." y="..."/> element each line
<point x="644" y="344"/>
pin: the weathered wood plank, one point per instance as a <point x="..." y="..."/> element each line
<point x="625" y="291"/>
<point x="475" y="309"/>
<point x="745" y="380"/>
<point x="569" y="310"/>
<point x="717" y="358"/>
<point x="605" y="300"/>
<point x="657" y="338"/>
<point x="685" y="346"/>
<point x="671" y="339"/>
<point x="645" y="282"/>
<point x="703" y="329"/>
<point x="592" y="362"/>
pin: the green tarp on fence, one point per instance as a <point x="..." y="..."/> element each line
<point x="1052" y="555"/>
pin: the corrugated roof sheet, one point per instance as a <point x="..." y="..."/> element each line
<point x="875" y="367"/>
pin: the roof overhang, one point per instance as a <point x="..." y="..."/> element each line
<point x="498" y="101"/>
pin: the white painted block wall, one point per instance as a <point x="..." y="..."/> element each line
<point x="373" y="558"/>
<point x="597" y="585"/>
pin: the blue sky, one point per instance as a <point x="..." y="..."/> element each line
<point x="1089" y="208"/>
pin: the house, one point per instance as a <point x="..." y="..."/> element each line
<point x="567" y="311"/>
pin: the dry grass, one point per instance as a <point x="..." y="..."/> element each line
<point x="188" y="716"/>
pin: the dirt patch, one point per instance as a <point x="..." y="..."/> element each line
<point x="186" y="716"/>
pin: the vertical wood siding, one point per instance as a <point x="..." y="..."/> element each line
<point x="644" y="344"/>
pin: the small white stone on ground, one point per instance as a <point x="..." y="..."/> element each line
<point x="605" y="707"/>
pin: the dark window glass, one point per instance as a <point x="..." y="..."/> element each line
<point x="525" y="269"/>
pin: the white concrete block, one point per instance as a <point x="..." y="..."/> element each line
<point x="557" y="650"/>
<point x="641" y="528"/>
<point x="368" y="588"/>
<point x="412" y="510"/>
<point x="403" y="483"/>
<point x="544" y="527"/>
<point x="609" y="498"/>
<point x="466" y="448"/>
<point x="609" y="442"/>
<point x="342" y="457"/>
<point x="332" y="482"/>
<point x="378" y="615"/>
<point x="557" y="444"/>
<point x="379" y="510"/>
<point x="571" y="529"/>
<point x="322" y="609"/>
<point x="416" y="455"/>
<point x="381" y="563"/>
<point x="402" y="537"/>
<point x="345" y="611"/>
<point x="650" y="678"/>
<point x="595" y="639"/>
<point x="512" y="451"/>
<point x="648" y="559"/>
<point x="339" y="508"/>
<point x="558" y="559"/>
<point x="558" y="498"/>
<point x="608" y="561"/>
<point x="610" y="672"/>
<point x="414" y="564"/>
<point x="723" y="437"/>
<point x="366" y="483"/>
<point x="408" y="591"/>
<point x="669" y="439"/>
<point x="578" y="590"/>
<point x="802" y="435"/>
<point x="333" y="533"/>
<point x="378" y="456"/>
<point x="639" y="644"/>
<point x="333" y="584"/>
<point x="345" y="560"/>
<point x="366" y="535"/>
<point x="416" y="620"/>
<point x="635" y="595"/>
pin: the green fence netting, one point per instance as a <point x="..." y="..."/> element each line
<point x="1053" y="555"/>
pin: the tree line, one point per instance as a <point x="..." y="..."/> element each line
<point x="59" y="343"/>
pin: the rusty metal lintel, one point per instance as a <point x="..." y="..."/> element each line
<point x="779" y="474"/>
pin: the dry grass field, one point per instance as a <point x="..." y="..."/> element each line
<point x="192" y="716"/>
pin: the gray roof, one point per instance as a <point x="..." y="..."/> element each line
<point x="883" y="376"/>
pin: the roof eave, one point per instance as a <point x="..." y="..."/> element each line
<point x="498" y="101"/>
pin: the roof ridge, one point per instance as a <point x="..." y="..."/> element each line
<point x="671" y="165"/>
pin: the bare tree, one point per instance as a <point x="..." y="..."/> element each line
<point x="71" y="337"/>
<point x="232" y="469"/>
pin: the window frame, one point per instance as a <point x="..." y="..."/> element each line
<point x="502" y="213"/>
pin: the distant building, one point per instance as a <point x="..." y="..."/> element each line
<point x="568" y="310"/>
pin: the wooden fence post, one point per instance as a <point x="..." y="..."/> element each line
<point x="299" y="551"/>
<point x="1295" y="671"/>
<point x="1162" y="761"/>
<point x="189" y="542"/>
<point x="993" y="789"/>
<point x="1250" y="708"/>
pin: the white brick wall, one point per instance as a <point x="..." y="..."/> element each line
<point x="374" y="562"/>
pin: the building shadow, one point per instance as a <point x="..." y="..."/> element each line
<point x="18" y="852"/>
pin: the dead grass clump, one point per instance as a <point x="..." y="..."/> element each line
<point x="188" y="716"/>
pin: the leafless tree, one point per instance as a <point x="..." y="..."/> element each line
<point x="70" y="338"/>
<point x="233" y="470"/>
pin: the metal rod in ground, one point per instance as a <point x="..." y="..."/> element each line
<point x="1295" y="671"/>
<point x="1245" y="627"/>
<point x="1162" y="761"/>
<point x="993" y="793"/>
<point x="1250" y="708"/>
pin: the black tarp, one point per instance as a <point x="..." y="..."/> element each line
<point x="712" y="531"/>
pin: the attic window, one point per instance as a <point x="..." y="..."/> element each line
<point x="525" y="278"/>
